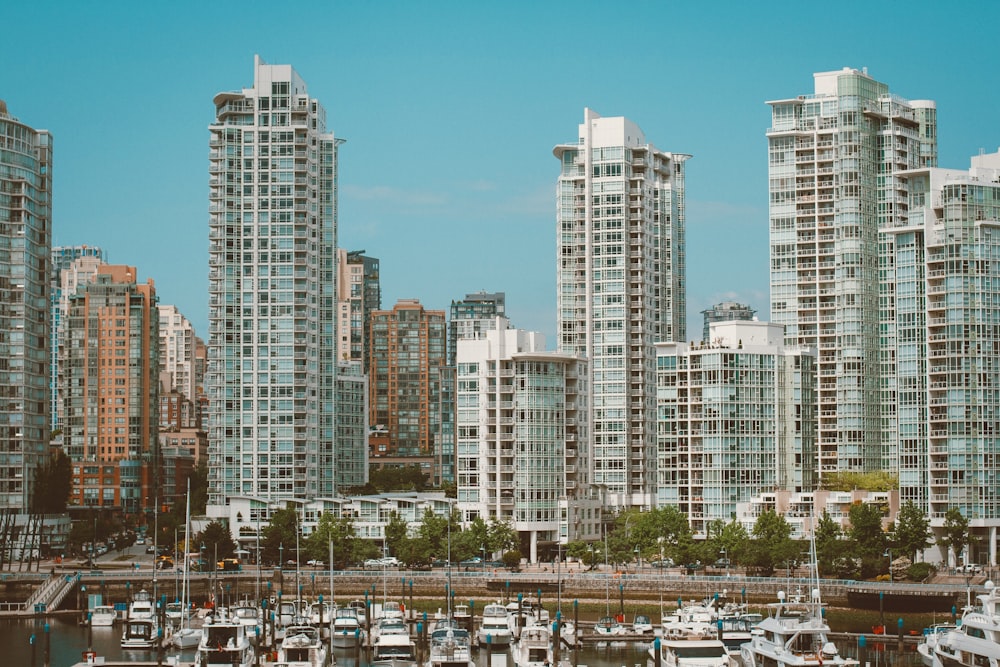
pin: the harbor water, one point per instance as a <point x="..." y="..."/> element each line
<point x="26" y="643"/>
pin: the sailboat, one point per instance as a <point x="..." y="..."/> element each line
<point x="186" y="637"/>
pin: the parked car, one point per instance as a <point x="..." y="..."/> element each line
<point x="721" y="563"/>
<point x="665" y="563"/>
<point x="472" y="562"/>
<point x="970" y="568"/>
<point x="316" y="563"/>
<point x="373" y="563"/>
<point x="390" y="561"/>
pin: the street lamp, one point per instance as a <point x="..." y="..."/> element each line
<point x="888" y="553"/>
<point x="725" y="559"/>
<point x="638" y="558"/>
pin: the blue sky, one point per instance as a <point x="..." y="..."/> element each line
<point x="450" y="111"/>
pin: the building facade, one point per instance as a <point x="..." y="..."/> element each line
<point x="522" y="439"/>
<point x="834" y="156"/>
<point x="65" y="271"/>
<point x="946" y="296"/>
<point x="359" y="294"/>
<point x="737" y="417"/>
<point x="177" y="351"/>
<point x="472" y="317"/>
<point x="271" y="370"/>
<point x="620" y="245"/>
<point x="352" y="426"/>
<point x="25" y="247"/>
<point x="111" y="391"/>
<point x="725" y="312"/>
<point x="408" y="347"/>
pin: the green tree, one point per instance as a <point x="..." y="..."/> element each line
<point x="829" y="543"/>
<point x="53" y="482"/>
<point x="911" y="533"/>
<point x="868" y="540"/>
<point x="217" y="540"/>
<point x="338" y="532"/>
<point x="279" y="537"/>
<point x="396" y="530"/>
<point x="501" y="537"/>
<point x="772" y="544"/>
<point x="956" y="531"/>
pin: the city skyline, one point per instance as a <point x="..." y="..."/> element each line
<point x="393" y="86"/>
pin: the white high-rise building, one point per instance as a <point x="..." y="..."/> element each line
<point x="620" y="288"/>
<point x="737" y="417"/>
<point x="177" y="350"/>
<point x="271" y="347"/>
<point x="946" y="287"/>
<point x="522" y="445"/>
<point x="834" y="156"/>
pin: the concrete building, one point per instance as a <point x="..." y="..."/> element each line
<point x="271" y="370"/>
<point x="472" y="317"/>
<point x="803" y="510"/>
<point x="725" y="312"/>
<point x="620" y="244"/>
<point x="65" y="270"/>
<point x="408" y="346"/>
<point x="26" y="239"/>
<point x="834" y="156"/>
<point x="352" y="425"/>
<point x="370" y="514"/>
<point x="737" y="417"/>
<point x="945" y="294"/>
<point x="522" y="439"/>
<point x="110" y="391"/>
<point x="359" y="294"/>
<point x="177" y="345"/>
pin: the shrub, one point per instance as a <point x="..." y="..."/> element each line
<point x="920" y="571"/>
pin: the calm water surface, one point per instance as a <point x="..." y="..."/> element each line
<point x="67" y="642"/>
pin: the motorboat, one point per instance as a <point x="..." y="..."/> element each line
<point x="609" y="626"/>
<point x="224" y="642"/>
<point x="250" y="617"/>
<point x="175" y="613"/>
<point x="525" y="613"/>
<point x="391" y="609"/>
<point x="931" y="636"/>
<point x="360" y="608"/>
<point x="302" y="646"/>
<point x="346" y="628"/>
<point x="642" y="624"/>
<point x="494" y="629"/>
<point x="186" y="637"/>
<point x="103" y="615"/>
<point x="320" y="614"/>
<point x="692" y="653"/>
<point x="533" y="648"/>
<point x="976" y="640"/>
<point x="140" y="634"/>
<point x="142" y="606"/>
<point x="389" y="626"/>
<point x="393" y="648"/>
<point x="795" y="634"/>
<point x="736" y="630"/>
<point x="691" y="620"/>
<point x="450" y="646"/>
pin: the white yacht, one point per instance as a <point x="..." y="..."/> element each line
<point x="347" y="630"/>
<point x="608" y="626"/>
<point x="302" y="646"/>
<point x="103" y="615"/>
<point x="495" y="626"/>
<point x="360" y="608"/>
<point x="141" y="630"/>
<point x="249" y="616"/>
<point x="224" y="643"/>
<point x="533" y="648"/>
<point x="931" y="637"/>
<point x="642" y="624"/>
<point x="794" y="634"/>
<point x="976" y="640"/>
<point x="691" y="620"/>
<point x="450" y="647"/>
<point x="693" y="653"/>
<point x="393" y="646"/>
